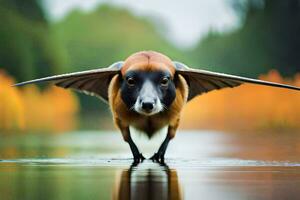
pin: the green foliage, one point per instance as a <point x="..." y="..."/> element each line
<point x="28" y="48"/>
<point x="106" y="35"/>
<point x="268" y="39"/>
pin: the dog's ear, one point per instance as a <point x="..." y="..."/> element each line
<point x="202" y="81"/>
<point x="91" y="82"/>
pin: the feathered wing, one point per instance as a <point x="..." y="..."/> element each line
<point x="202" y="81"/>
<point x="91" y="82"/>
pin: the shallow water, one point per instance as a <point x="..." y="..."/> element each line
<point x="199" y="165"/>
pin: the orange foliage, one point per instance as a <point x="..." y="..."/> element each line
<point x="29" y="109"/>
<point x="246" y="108"/>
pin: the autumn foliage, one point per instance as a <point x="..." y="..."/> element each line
<point x="30" y="109"/>
<point x="247" y="108"/>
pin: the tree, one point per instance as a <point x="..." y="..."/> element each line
<point x="268" y="38"/>
<point x="28" y="48"/>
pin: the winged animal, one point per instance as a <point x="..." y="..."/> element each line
<point x="148" y="91"/>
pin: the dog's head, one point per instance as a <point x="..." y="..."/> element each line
<point x="148" y="82"/>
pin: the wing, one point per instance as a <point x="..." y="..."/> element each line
<point x="91" y="82"/>
<point x="202" y="81"/>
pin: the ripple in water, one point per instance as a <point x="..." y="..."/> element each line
<point x="177" y="163"/>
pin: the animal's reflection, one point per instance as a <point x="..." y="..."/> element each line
<point x="147" y="181"/>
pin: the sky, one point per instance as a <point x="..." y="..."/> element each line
<point x="186" y="21"/>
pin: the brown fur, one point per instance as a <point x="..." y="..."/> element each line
<point x="123" y="117"/>
<point x="148" y="61"/>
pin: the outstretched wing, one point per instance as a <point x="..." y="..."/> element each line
<point x="92" y="82"/>
<point x="202" y="81"/>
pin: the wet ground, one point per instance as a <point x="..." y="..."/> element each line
<point x="199" y="165"/>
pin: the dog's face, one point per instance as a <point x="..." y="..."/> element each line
<point x="148" y="92"/>
<point x="148" y="83"/>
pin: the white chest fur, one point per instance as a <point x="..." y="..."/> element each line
<point x="148" y="146"/>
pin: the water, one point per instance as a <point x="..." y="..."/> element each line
<point x="199" y="165"/>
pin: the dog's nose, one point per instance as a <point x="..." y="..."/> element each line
<point x="147" y="106"/>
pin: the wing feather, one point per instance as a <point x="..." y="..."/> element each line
<point x="91" y="82"/>
<point x="202" y="81"/>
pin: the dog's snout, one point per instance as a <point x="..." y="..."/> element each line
<point x="147" y="106"/>
<point x="148" y="102"/>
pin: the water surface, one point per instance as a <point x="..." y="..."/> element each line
<point x="199" y="165"/>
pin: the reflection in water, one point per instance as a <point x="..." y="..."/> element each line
<point x="147" y="181"/>
<point x="208" y="166"/>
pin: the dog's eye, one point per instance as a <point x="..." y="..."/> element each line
<point x="130" y="81"/>
<point x="164" y="81"/>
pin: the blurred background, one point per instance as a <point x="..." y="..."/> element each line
<point x="253" y="38"/>
<point x="240" y="143"/>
